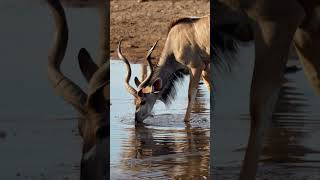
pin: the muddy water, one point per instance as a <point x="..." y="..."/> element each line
<point x="292" y="148"/>
<point x="165" y="147"/>
<point x="40" y="141"/>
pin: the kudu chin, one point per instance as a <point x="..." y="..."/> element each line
<point x="93" y="106"/>
<point x="187" y="50"/>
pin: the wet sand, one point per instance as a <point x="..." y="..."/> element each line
<point x="291" y="148"/>
<point x="165" y="147"/>
<point x="40" y="139"/>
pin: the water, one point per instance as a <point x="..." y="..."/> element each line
<point x="41" y="140"/>
<point x="291" y="149"/>
<point x="164" y="148"/>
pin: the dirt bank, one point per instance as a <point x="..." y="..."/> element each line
<point x="141" y="24"/>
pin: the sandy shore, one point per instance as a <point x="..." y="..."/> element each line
<point x="141" y="24"/>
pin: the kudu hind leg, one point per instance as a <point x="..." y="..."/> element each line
<point x="195" y="74"/>
<point x="307" y="45"/>
<point x="272" y="42"/>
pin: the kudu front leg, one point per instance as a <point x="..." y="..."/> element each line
<point x="272" y="41"/>
<point x="195" y="74"/>
<point x="206" y="78"/>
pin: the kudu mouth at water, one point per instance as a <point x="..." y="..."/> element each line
<point x="93" y="106"/>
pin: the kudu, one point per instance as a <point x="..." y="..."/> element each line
<point x="186" y="50"/>
<point x="275" y="25"/>
<point x="92" y="106"/>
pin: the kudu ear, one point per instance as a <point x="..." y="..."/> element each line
<point x="98" y="86"/>
<point x="136" y="81"/>
<point x="157" y="86"/>
<point x="87" y="66"/>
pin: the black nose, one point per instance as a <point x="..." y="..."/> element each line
<point x="137" y="119"/>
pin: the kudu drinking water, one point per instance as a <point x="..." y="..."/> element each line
<point x="92" y="106"/>
<point x="186" y="50"/>
<point x="275" y="25"/>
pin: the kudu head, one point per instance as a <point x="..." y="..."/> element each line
<point x="148" y="90"/>
<point x="92" y="106"/>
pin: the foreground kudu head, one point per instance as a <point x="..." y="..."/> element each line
<point x="147" y="92"/>
<point x="92" y="106"/>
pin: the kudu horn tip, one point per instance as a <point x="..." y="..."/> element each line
<point x="120" y="41"/>
<point x="119" y="45"/>
<point x="151" y="49"/>
<point x="83" y="54"/>
<point x="83" y="50"/>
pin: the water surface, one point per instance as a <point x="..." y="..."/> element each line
<point x="291" y="149"/>
<point x="165" y="147"/>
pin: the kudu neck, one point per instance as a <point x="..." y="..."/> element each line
<point x="165" y="69"/>
<point x="169" y="71"/>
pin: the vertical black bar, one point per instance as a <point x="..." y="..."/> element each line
<point x="212" y="6"/>
<point x="106" y="51"/>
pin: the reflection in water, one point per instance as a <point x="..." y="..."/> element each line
<point x="286" y="151"/>
<point x="164" y="147"/>
<point x="169" y="153"/>
<point x="199" y="104"/>
<point x="284" y="142"/>
<point x="291" y="148"/>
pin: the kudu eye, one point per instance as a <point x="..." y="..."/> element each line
<point x="143" y="103"/>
